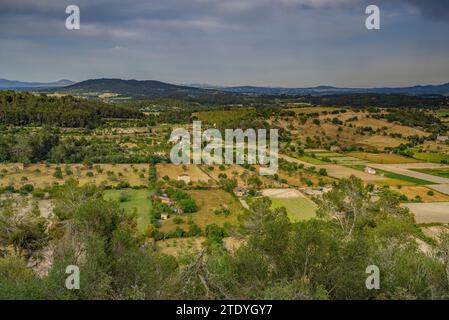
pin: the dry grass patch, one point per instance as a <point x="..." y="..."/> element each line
<point x="381" y="142"/>
<point x="436" y="212"/>
<point x="412" y="191"/>
<point x="42" y="175"/>
<point x="181" y="246"/>
<point x="308" y="110"/>
<point x="339" y="172"/>
<point x="192" y="246"/>
<point x="240" y="174"/>
<point x="173" y="171"/>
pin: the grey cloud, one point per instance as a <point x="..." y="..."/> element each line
<point x="437" y="9"/>
<point x="264" y="42"/>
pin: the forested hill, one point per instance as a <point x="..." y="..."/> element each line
<point x="135" y="88"/>
<point x="21" y="108"/>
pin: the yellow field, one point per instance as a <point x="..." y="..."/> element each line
<point x="307" y="110"/>
<point x="241" y="175"/>
<point x="381" y="142"/>
<point x="390" y="127"/>
<point x="294" y="179"/>
<point x="412" y="191"/>
<point x="41" y="175"/>
<point x="180" y="247"/>
<point x="173" y="171"/>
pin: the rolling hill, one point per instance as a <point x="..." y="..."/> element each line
<point x="134" y="88"/>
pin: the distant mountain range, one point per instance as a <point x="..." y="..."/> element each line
<point x="328" y="90"/>
<point x="153" y="88"/>
<point x="13" y="84"/>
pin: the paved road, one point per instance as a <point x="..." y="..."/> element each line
<point x="443" y="188"/>
<point x="401" y="169"/>
<point x="339" y="171"/>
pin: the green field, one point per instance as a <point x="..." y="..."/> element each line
<point x="431" y="157"/>
<point x="311" y="160"/>
<point x="442" y="113"/>
<point x="137" y="200"/>
<point x="382" y="158"/>
<point x="328" y="154"/>
<point x="402" y="177"/>
<point x="221" y="117"/>
<point x="395" y="176"/>
<point x="444" y="173"/>
<point x="299" y="208"/>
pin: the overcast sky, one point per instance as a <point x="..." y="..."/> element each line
<point x="292" y="43"/>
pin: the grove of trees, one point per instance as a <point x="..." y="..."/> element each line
<point x="23" y="108"/>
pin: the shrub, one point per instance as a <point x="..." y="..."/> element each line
<point x="37" y="193"/>
<point x="28" y="188"/>
<point x="178" y="220"/>
<point x="215" y="233"/>
<point x="57" y="173"/>
<point x="194" y="230"/>
<point x="322" y="172"/>
<point x="123" y="197"/>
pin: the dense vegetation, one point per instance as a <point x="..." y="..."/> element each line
<point x="39" y="145"/>
<point x="417" y="118"/>
<point x="322" y="258"/>
<point x="363" y="100"/>
<point x="20" y="108"/>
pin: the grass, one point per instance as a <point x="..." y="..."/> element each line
<point x="41" y="175"/>
<point x="311" y="160"/>
<point x="422" y="192"/>
<point x="327" y="154"/>
<point x="443" y="113"/>
<point x="137" y="200"/>
<point x="431" y="157"/>
<point x="299" y="208"/>
<point x="395" y="178"/>
<point x="444" y="173"/>
<point x="221" y="117"/>
<point x="382" y="158"/>
<point x="208" y="202"/>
